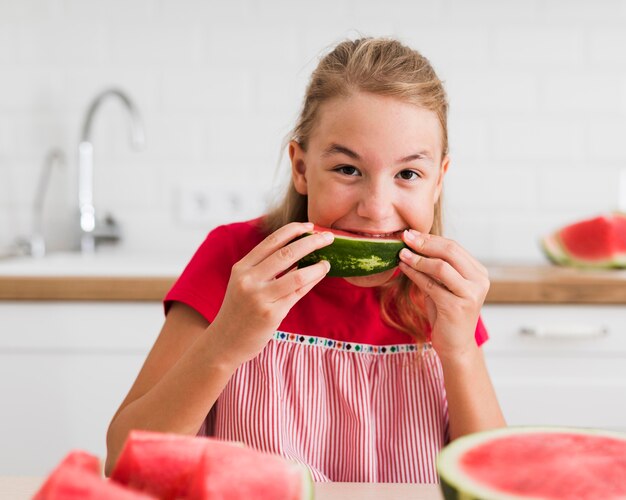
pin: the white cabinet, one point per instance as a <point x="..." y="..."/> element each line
<point x="559" y="365"/>
<point x="64" y="369"/>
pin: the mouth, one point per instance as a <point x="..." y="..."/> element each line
<point x="373" y="234"/>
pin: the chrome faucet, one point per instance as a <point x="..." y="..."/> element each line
<point x="35" y="244"/>
<point x="91" y="228"/>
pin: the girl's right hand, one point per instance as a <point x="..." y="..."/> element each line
<point x="263" y="287"/>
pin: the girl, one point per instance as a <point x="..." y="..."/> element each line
<point x="361" y="379"/>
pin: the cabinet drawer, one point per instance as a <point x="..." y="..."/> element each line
<point x="556" y="330"/>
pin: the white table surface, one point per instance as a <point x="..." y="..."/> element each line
<point x="23" y="488"/>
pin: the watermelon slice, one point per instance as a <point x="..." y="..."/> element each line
<point x="159" y="463"/>
<point x="599" y="242"/>
<point x="78" y="477"/>
<point x="228" y="471"/>
<point x="351" y="254"/>
<point x="171" y="466"/>
<point x="549" y="463"/>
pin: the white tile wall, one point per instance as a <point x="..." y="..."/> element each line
<point x="537" y="91"/>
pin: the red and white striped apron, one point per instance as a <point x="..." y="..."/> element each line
<point x="350" y="412"/>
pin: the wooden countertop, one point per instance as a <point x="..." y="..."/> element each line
<point x="530" y="284"/>
<point x="23" y="488"/>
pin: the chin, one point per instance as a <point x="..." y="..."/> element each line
<point x="373" y="279"/>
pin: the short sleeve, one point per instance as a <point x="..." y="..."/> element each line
<point x="202" y="285"/>
<point x="481" y="334"/>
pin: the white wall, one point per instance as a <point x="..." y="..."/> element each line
<point x="537" y="91"/>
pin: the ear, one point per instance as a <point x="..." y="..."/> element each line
<point x="298" y="167"/>
<point x="445" y="163"/>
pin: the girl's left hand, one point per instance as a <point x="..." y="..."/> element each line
<point x="454" y="285"/>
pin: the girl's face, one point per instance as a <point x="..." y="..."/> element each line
<point x="374" y="166"/>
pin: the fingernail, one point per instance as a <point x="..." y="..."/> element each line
<point x="308" y="225"/>
<point x="328" y="236"/>
<point x="409" y="235"/>
<point x="417" y="237"/>
<point x="406" y="254"/>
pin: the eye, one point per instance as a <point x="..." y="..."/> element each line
<point x="409" y="175"/>
<point x="347" y="170"/>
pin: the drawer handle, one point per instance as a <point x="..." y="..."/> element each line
<point x="564" y="331"/>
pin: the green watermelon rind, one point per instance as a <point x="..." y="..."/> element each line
<point x="456" y="485"/>
<point x="308" y="486"/>
<point x="354" y="256"/>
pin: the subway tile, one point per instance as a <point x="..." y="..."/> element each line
<point x="493" y="91"/>
<point x="9" y="45"/>
<point x="87" y="10"/>
<point x="277" y="92"/>
<point x="7" y="136"/>
<point x="517" y="236"/>
<point x="467" y="137"/>
<point x="449" y="46"/>
<point x="540" y="46"/>
<point x="76" y="44"/>
<point x="251" y="46"/>
<point x="156" y="43"/>
<point x="85" y="83"/>
<point x="490" y="11"/>
<point x="32" y="90"/>
<point x="537" y="138"/>
<point x="605" y="139"/>
<point x="220" y="88"/>
<point x="581" y="10"/>
<point x="470" y="227"/>
<point x="606" y="46"/>
<point x="207" y="13"/>
<point x="591" y="188"/>
<point x="572" y="92"/>
<point x="491" y="187"/>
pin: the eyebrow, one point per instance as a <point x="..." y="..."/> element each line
<point x="335" y="148"/>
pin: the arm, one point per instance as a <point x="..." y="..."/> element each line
<point x="455" y="285"/>
<point x="472" y="402"/>
<point x="192" y="361"/>
<point x="184" y="369"/>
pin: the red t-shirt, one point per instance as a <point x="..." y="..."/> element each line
<point x="333" y="309"/>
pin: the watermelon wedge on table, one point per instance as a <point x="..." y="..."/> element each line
<point x="598" y="242"/>
<point x="158" y="463"/>
<point x="78" y="477"/>
<point x="171" y="466"/>
<point x="352" y="254"/>
<point x="549" y="463"/>
<point x="247" y="473"/>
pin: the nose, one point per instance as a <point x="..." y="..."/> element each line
<point x="376" y="201"/>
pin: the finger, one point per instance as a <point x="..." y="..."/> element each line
<point x="430" y="245"/>
<point x="276" y="240"/>
<point x="297" y="281"/>
<point x="287" y="256"/>
<point x="425" y="283"/>
<point x="438" y="270"/>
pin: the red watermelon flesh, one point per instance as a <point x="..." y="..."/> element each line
<point x="596" y="242"/>
<point x="75" y="482"/>
<point x="552" y="466"/>
<point x="159" y="463"/>
<point x="536" y="463"/>
<point x="228" y="471"/>
<point x="74" y="459"/>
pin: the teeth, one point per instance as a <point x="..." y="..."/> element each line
<point x="377" y="235"/>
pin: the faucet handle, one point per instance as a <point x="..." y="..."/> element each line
<point x="107" y="229"/>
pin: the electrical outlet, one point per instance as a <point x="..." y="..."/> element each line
<point x="202" y="205"/>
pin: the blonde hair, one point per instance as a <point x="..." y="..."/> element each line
<point x="385" y="67"/>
